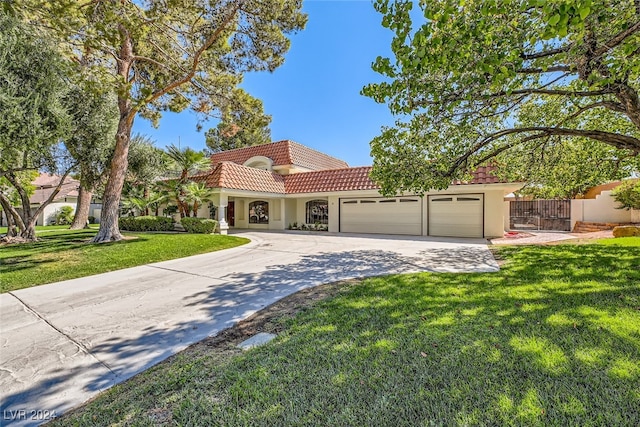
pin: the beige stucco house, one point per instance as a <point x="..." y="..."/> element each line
<point x="275" y="185"/>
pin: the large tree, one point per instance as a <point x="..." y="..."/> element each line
<point x="166" y="55"/>
<point x="463" y="71"/>
<point x="34" y="118"/>
<point x="243" y="124"/>
<point x="94" y="121"/>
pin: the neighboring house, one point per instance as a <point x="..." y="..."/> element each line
<point x="45" y="185"/>
<point x="275" y="185"/>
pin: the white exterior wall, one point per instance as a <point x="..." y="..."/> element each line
<point x="600" y="209"/>
<point x="494" y="218"/>
<point x="48" y="215"/>
<point x="507" y="215"/>
<point x="285" y="210"/>
<point x="635" y="215"/>
<point x="290" y="212"/>
<point x="334" y="214"/>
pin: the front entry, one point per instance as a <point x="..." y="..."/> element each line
<point x="231" y="216"/>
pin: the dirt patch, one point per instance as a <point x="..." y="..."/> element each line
<point x="270" y="319"/>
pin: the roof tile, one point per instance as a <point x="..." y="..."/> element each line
<point x="282" y="153"/>
<point x="237" y="177"/>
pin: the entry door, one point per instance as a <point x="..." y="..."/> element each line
<point x="231" y="214"/>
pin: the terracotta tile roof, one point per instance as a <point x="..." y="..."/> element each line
<point x="237" y="177"/>
<point x="282" y="153"/>
<point x="45" y="185"/>
<point x="482" y="175"/>
<point x="330" y="180"/>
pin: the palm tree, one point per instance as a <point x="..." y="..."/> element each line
<point x="195" y="195"/>
<point x="185" y="162"/>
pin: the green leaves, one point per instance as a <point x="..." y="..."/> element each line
<point x="465" y="82"/>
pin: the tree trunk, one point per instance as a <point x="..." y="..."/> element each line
<point x="109" y="230"/>
<point x="29" y="232"/>
<point x="9" y="214"/>
<point x="81" y="218"/>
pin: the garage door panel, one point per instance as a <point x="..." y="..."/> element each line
<point x="456" y="215"/>
<point x="381" y="216"/>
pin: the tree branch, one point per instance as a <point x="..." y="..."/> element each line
<point x="544" y="54"/>
<point x="552" y="92"/>
<point x="617" y="39"/>
<point x="196" y="58"/>
<point x="610" y="105"/>
<point x="624" y="142"/>
<point x="562" y="68"/>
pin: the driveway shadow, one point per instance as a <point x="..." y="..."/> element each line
<point x="226" y="300"/>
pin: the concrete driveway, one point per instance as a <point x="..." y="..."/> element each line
<point x="63" y="343"/>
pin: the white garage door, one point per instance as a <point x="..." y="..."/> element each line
<point x="459" y="215"/>
<point x="395" y="215"/>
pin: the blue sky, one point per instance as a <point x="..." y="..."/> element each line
<point x="314" y="97"/>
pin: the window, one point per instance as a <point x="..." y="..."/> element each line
<point x="388" y="201"/>
<point x="318" y="212"/>
<point x="445" y="199"/>
<point x="259" y="212"/>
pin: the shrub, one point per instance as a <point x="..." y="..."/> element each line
<point x="64" y="216"/>
<point x="626" y="231"/>
<point x="199" y="225"/>
<point x="92" y="219"/>
<point x="628" y="194"/>
<point x="145" y="223"/>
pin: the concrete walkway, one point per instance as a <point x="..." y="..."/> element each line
<point x="63" y="343"/>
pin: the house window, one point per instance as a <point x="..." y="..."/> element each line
<point x="259" y="212"/>
<point x="317" y="212"/>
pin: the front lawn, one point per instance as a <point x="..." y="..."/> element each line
<point x="552" y="339"/>
<point x="65" y="254"/>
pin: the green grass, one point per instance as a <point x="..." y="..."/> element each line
<point x="552" y="339"/>
<point x="41" y="228"/>
<point x="64" y="254"/>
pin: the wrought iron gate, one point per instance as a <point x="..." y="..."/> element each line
<point x="551" y="215"/>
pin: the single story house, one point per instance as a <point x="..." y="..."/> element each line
<point x="45" y="184"/>
<point x="273" y="186"/>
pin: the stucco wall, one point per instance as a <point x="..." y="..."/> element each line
<point x="334" y="214"/>
<point x="600" y="209"/>
<point x="290" y="211"/>
<point x="494" y="213"/>
<point x="48" y="215"/>
<point x="506" y="214"/>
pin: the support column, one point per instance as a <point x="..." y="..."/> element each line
<point x="222" y="213"/>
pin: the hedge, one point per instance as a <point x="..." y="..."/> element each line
<point x="145" y="223"/>
<point x="199" y="225"/>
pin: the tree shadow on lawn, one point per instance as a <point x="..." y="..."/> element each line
<point x="44" y="251"/>
<point x="557" y="344"/>
<point x="226" y="301"/>
<point x="525" y="349"/>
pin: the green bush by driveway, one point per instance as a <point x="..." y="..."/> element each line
<point x="551" y="339"/>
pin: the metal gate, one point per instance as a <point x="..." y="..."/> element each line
<point x="550" y="215"/>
